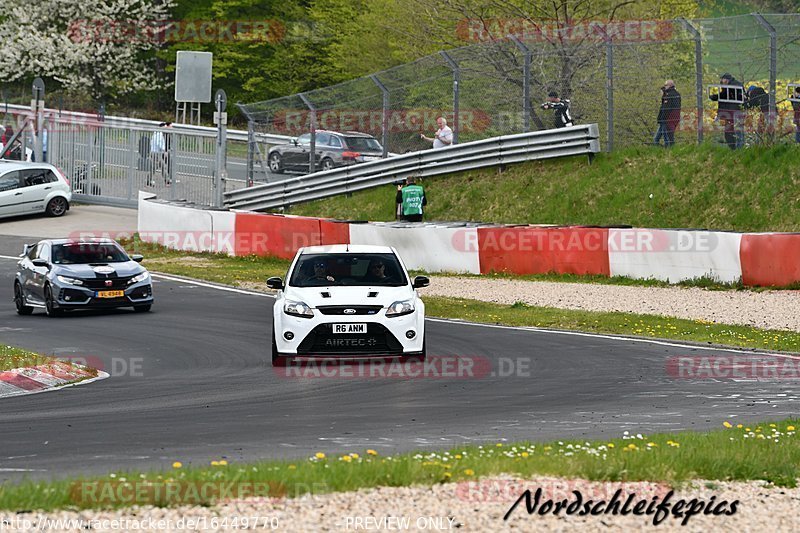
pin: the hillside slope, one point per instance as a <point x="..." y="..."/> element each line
<point x="708" y="186"/>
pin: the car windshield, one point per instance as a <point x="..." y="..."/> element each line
<point x="84" y="253"/>
<point x="364" y="144"/>
<point x="359" y="270"/>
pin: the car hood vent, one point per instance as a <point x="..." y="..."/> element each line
<point x="325" y="294"/>
<point x="372" y="294"/>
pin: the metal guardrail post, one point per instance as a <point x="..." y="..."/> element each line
<point x="37" y="108"/>
<point x="312" y="155"/>
<point x="526" y="81"/>
<point x="456" y="81"/>
<point x="773" y="67"/>
<point x="698" y="67"/>
<point x="220" y="152"/>
<point x="385" y="117"/>
<point x="133" y="155"/>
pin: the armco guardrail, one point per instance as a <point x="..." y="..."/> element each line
<point x="110" y="120"/>
<point x="575" y="140"/>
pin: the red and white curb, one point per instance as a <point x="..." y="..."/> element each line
<point x="45" y="378"/>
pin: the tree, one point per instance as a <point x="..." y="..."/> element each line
<point x="96" y="46"/>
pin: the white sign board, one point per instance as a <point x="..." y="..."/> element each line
<point x="193" y="77"/>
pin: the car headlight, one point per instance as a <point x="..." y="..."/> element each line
<point x="144" y="276"/>
<point x="400" y="308"/>
<point x="297" y="309"/>
<point x="69" y="281"/>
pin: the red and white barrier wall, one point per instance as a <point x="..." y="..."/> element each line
<point x="671" y="255"/>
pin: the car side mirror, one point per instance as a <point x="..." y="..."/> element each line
<point x="137" y="257"/>
<point x="294" y="142"/>
<point x="275" y="283"/>
<point x="421" y="281"/>
<point x="41" y="263"/>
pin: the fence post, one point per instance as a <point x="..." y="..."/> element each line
<point x="456" y="79"/>
<point x="37" y="107"/>
<point x="773" y="68"/>
<point x="251" y="149"/>
<point x="698" y="66"/>
<point x="312" y="155"/>
<point x="526" y="82"/>
<point x="609" y="87"/>
<point x="385" y="118"/>
<point x="220" y="155"/>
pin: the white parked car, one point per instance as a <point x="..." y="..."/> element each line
<point x="347" y="300"/>
<point x="32" y="188"/>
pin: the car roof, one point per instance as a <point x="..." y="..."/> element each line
<point x="9" y="164"/>
<point x="346" y="248"/>
<point x="91" y="240"/>
<point x="346" y="133"/>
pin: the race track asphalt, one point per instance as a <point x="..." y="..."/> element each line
<point x="202" y="388"/>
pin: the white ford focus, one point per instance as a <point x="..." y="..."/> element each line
<point x="347" y="300"/>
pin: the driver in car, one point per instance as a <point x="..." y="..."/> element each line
<point x="377" y="272"/>
<point x="320" y="275"/>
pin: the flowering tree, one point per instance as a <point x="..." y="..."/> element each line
<point x="103" y="47"/>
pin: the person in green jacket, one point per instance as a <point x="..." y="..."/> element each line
<point x="412" y="199"/>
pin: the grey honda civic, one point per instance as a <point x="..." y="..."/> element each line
<point x="61" y="274"/>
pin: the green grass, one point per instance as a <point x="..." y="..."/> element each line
<point x="725" y="454"/>
<point x="705" y="186"/>
<point x="11" y="358"/>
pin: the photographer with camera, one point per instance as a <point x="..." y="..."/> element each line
<point x="443" y="136"/>
<point x="561" y="116"/>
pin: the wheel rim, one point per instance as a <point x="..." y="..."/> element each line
<point x="18" y="297"/>
<point x="57" y="206"/>
<point x="48" y="300"/>
<point x="327" y="164"/>
<point x="275" y="163"/>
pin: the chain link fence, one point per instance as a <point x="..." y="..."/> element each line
<point x="611" y="73"/>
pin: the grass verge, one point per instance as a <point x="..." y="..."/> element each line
<point x="704" y="186"/>
<point x="11" y="358"/>
<point x="769" y="451"/>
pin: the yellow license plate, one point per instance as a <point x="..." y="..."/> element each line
<point x="110" y="294"/>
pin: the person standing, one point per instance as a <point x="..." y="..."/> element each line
<point x="796" y="107"/>
<point x="669" y="114"/>
<point x="443" y="136"/>
<point x="412" y="199"/>
<point x="757" y="98"/>
<point x="159" y="154"/>
<point x="561" y="116"/>
<point x="729" y="111"/>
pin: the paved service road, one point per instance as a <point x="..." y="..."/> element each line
<point x="201" y="388"/>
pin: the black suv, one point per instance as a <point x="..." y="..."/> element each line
<point x="333" y="149"/>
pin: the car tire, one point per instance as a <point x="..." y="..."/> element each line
<point x="327" y="164"/>
<point x="278" y="360"/>
<point x="57" y="206"/>
<point x="19" y="301"/>
<point x="49" y="305"/>
<point x="275" y="163"/>
<point x="142" y="308"/>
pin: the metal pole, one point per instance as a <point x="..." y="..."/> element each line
<point x="609" y="87"/>
<point x="385" y="118"/>
<point x="698" y="64"/>
<point x="37" y="107"/>
<point x="251" y="145"/>
<point x="312" y="159"/>
<point x="220" y="156"/>
<point x="526" y="81"/>
<point x="456" y="79"/>
<point x="773" y="68"/>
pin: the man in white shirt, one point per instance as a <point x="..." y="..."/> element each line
<point x="443" y="136"/>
